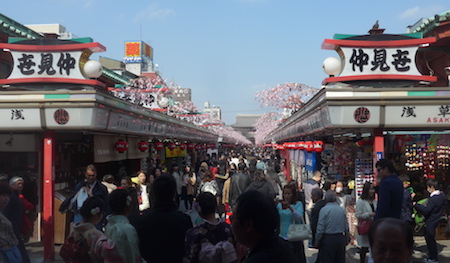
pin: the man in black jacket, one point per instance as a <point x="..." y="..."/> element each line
<point x="432" y="212"/>
<point x="316" y="197"/>
<point x="162" y="230"/>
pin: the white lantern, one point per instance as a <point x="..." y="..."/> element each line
<point x="331" y="66"/>
<point x="163" y="102"/>
<point x="93" y="69"/>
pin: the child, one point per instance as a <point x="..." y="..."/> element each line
<point x="119" y="228"/>
<point x="86" y="243"/>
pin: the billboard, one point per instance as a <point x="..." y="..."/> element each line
<point x="137" y="51"/>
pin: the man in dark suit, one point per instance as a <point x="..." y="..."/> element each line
<point x="162" y="230"/>
<point x="390" y="192"/>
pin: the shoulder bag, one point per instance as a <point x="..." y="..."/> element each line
<point x="299" y="232"/>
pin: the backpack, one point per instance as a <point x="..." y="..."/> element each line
<point x="75" y="251"/>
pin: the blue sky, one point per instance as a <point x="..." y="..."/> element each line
<point x="226" y="50"/>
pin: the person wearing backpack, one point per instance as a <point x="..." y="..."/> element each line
<point x="212" y="241"/>
<point x="86" y="244"/>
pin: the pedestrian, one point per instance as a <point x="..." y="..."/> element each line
<point x="239" y="183"/>
<point x="8" y="240"/>
<point x="255" y="220"/>
<point x="108" y="181"/>
<point x="291" y="212"/>
<point x="119" y="229"/>
<point x="209" y="184"/>
<point x="407" y="204"/>
<point x="365" y="211"/>
<point x="261" y="185"/>
<point x="319" y="203"/>
<point x="390" y="191"/>
<point x="332" y="235"/>
<point x="311" y="184"/>
<point x="179" y="180"/>
<point x="212" y="240"/>
<point x="391" y="241"/>
<point x="143" y="192"/>
<point x="162" y="230"/>
<point x="432" y="213"/>
<point x="86" y="243"/>
<point x="127" y="185"/>
<point x="189" y="180"/>
<point x="89" y="187"/>
<point x="14" y="211"/>
<point x="26" y="229"/>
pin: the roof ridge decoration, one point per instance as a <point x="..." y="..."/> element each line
<point x="432" y="22"/>
<point x="14" y="28"/>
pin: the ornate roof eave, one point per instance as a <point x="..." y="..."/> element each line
<point x="16" y="29"/>
<point x="432" y="23"/>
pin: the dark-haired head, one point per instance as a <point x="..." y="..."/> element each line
<point x="120" y="202"/>
<point x="207" y="203"/>
<point x="91" y="207"/>
<point x="260" y="209"/>
<point x="366" y="191"/>
<point x="5" y="189"/>
<point x="164" y="188"/>
<point x="433" y="183"/>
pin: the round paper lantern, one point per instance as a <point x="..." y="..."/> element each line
<point x="159" y="146"/>
<point x="121" y="146"/>
<point x="172" y="146"/>
<point x="204" y="147"/>
<point x="318" y="146"/>
<point x="191" y="146"/>
<point x="301" y="145"/>
<point x="182" y="146"/>
<point x="143" y="146"/>
<point x="198" y="147"/>
<point x="309" y="147"/>
<point x="93" y="69"/>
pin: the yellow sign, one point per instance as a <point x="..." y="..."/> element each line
<point x="177" y="152"/>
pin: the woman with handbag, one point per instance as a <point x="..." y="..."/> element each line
<point x="291" y="212"/>
<point x="365" y="211"/>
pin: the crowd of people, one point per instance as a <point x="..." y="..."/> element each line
<point x="246" y="208"/>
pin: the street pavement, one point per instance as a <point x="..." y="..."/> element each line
<point x="36" y="249"/>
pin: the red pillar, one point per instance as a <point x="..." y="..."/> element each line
<point x="378" y="148"/>
<point x="48" y="197"/>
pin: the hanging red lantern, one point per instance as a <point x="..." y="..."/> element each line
<point x="182" y="146"/>
<point x="121" y="146"/>
<point x="159" y="146"/>
<point x="319" y="146"/>
<point x="204" y="147"/>
<point x="142" y="146"/>
<point x="309" y="147"/>
<point x="172" y="146"/>
<point x="198" y="147"/>
<point x="301" y="145"/>
<point x="191" y="146"/>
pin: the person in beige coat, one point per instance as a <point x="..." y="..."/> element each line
<point x="365" y="210"/>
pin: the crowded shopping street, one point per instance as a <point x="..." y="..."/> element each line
<point x="221" y="137"/>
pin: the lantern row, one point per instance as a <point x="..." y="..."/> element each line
<point x="309" y="146"/>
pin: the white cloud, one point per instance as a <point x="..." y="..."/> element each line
<point x="153" y="12"/>
<point x="419" y="12"/>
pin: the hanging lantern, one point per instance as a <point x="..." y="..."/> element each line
<point x="204" y="147"/>
<point x="309" y="147"/>
<point x="121" y="146"/>
<point x="159" y="146"/>
<point x="318" y="146"/>
<point x="211" y="145"/>
<point x="142" y="146"/>
<point x="301" y="145"/>
<point x="191" y="146"/>
<point x="182" y="146"/>
<point x="198" y="147"/>
<point x="172" y="146"/>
